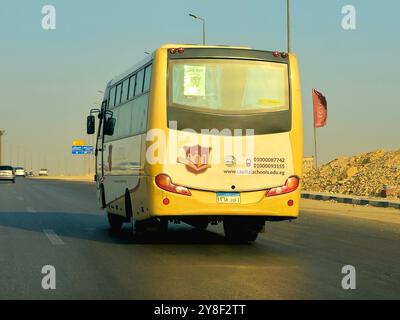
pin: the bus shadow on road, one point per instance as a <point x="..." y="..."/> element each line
<point x="181" y="235"/>
<point x="82" y="226"/>
<point x="94" y="227"/>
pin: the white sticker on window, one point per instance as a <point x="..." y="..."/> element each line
<point x="194" y="81"/>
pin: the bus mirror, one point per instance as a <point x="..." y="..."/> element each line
<point x="109" y="127"/>
<point x="90" y="123"/>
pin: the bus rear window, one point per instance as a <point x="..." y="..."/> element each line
<point x="229" y="86"/>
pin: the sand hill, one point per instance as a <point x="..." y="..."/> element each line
<point x="367" y="174"/>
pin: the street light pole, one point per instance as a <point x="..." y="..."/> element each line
<point x="204" y="26"/>
<point x="1" y="147"/>
<point x="288" y="26"/>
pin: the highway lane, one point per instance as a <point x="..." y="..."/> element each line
<point x="57" y="223"/>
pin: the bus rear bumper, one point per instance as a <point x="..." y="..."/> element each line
<point x="204" y="204"/>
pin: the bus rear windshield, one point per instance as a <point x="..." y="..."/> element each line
<point x="229" y="86"/>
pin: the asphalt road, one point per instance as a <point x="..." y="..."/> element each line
<point x="57" y="223"/>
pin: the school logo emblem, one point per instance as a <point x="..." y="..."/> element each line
<point x="196" y="158"/>
<point x="230" y="161"/>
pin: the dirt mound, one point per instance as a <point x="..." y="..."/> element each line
<point x="373" y="174"/>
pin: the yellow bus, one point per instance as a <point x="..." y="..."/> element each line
<point x="201" y="135"/>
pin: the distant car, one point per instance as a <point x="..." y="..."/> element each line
<point x="43" y="172"/>
<point x="20" y="172"/>
<point x="7" y="173"/>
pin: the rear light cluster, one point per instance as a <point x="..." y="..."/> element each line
<point x="164" y="182"/>
<point x="292" y="183"/>
<point x="282" y="54"/>
<point x="176" y="50"/>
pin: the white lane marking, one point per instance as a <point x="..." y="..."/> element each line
<point x="30" y="209"/>
<point x="53" y="237"/>
<point x="20" y="198"/>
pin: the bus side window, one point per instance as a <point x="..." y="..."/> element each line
<point x="139" y="82"/>
<point x="139" y="115"/>
<point x="118" y="94"/>
<point x="132" y="82"/>
<point x="124" y="121"/>
<point x="147" y="79"/>
<point x="112" y="98"/>
<point x="124" y="95"/>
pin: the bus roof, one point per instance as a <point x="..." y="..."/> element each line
<point x="171" y="45"/>
<point x="126" y="73"/>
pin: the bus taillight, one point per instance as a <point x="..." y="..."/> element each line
<point x="164" y="182"/>
<point x="291" y="184"/>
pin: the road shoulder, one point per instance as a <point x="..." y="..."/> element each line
<point x="388" y="215"/>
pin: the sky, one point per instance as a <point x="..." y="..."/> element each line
<point x="49" y="79"/>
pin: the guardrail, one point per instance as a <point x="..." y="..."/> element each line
<point x="341" y="198"/>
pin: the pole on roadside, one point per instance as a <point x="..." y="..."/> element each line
<point x="204" y="32"/>
<point x="204" y="26"/>
<point x="1" y="145"/>
<point x="315" y="148"/>
<point x="289" y="48"/>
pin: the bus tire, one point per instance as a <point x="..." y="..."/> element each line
<point x="115" y="222"/>
<point x="138" y="227"/>
<point x="162" y="226"/>
<point x="242" y="230"/>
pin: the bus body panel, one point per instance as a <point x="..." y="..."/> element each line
<point x="122" y="166"/>
<point x="234" y="163"/>
<point x="147" y="198"/>
<point x="296" y="133"/>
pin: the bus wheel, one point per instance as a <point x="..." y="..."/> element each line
<point x="138" y="227"/>
<point x="115" y="222"/>
<point x="162" y="226"/>
<point x="242" y="230"/>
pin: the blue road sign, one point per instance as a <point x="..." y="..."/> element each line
<point x="82" y="149"/>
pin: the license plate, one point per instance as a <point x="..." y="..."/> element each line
<point x="228" y="197"/>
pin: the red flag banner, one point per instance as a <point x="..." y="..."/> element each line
<point x="320" y="107"/>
